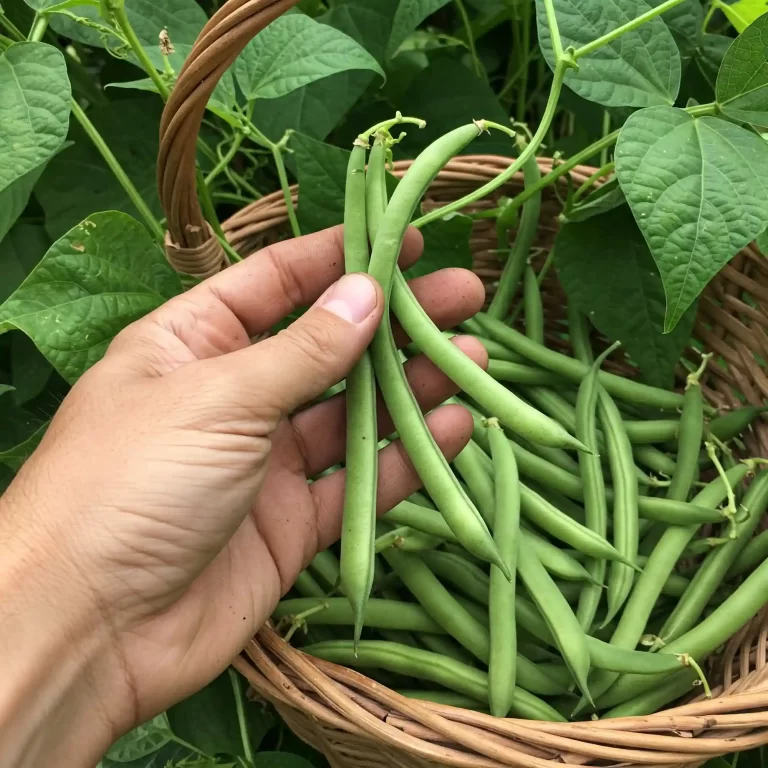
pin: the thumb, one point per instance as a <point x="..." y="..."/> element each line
<point x="314" y="353"/>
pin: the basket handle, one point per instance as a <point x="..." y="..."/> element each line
<point x="190" y="244"/>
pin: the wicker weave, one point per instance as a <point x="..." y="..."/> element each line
<point x="356" y="721"/>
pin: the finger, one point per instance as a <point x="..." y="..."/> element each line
<point x="451" y="427"/>
<point x="269" y="285"/>
<point x="449" y="297"/>
<point x="273" y="378"/>
<point x="321" y="430"/>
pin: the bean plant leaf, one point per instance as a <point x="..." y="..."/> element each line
<point x="368" y="22"/>
<point x="20" y="432"/>
<point x="742" y="84"/>
<point x="30" y="371"/>
<point x="743" y="12"/>
<point x="685" y="22"/>
<point x="606" y="198"/>
<point x="293" y="51"/>
<point x="642" y="68"/>
<point x="14" y="456"/>
<point x="20" y="250"/>
<point x="615" y="282"/>
<point x="182" y="18"/>
<point x="280" y="760"/>
<point x="78" y="182"/>
<point x="762" y="242"/>
<point x="710" y="54"/>
<point x="446" y="244"/>
<point x="142" y="741"/>
<point x="699" y="191"/>
<point x="410" y="13"/>
<point x="98" y="278"/>
<point x="208" y="720"/>
<point x="34" y="120"/>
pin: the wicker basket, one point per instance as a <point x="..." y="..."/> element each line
<point x="356" y="721"/>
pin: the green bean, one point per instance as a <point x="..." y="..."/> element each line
<point x="579" y="329"/>
<point x="379" y="614"/>
<point x="326" y="565"/>
<point x="689" y="438"/>
<point x="652" y="432"/>
<point x="574" y="370"/>
<point x="443" y="698"/>
<point x="506" y="534"/>
<point x="660" y="564"/>
<point x="730" y="616"/>
<point x="675" y="512"/>
<point x="519" y="373"/>
<point x="595" y="504"/>
<point x="447" y="647"/>
<point x="470" y="465"/>
<point x="752" y="555"/>
<point x="534" y="309"/>
<point x="558" y="562"/>
<point x="556" y="523"/>
<point x="477" y="611"/>
<point x="711" y="573"/>
<point x="306" y="585"/>
<point x="560" y="619"/>
<point x="665" y="691"/>
<point x="420" y="518"/>
<point x="526" y="232"/>
<point x="438" y="602"/>
<point x="462" y="574"/>
<point x="398" y="636"/>
<point x="407" y="539"/>
<point x="625" y="504"/>
<point x="362" y="461"/>
<point x="652" y="458"/>
<point x="498" y="353"/>
<point x="732" y="424"/>
<point x="388" y="230"/>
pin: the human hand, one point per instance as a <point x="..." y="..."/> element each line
<point x="167" y="510"/>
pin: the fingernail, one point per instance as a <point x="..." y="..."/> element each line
<point x="353" y="298"/>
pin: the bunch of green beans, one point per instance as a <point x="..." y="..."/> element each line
<point x="586" y="551"/>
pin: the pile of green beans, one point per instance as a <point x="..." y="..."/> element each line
<point x="586" y="552"/>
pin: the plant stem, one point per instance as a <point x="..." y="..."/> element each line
<point x="549" y="113"/>
<point x="624" y="28"/>
<point x="224" y="160"/>
<point x="39" y="27"/>
<point x="478" y="67"/>
<point x="522" y="93"/>
<point x="114" y="166"/>
<point x="604" y="170"/>
<point x="606" y="131"/>
<point x="246" y="739"/>
<point x="277" y="153"/>
<point x="121" y="18"/>
<point x="209" y="209"/>
<point x="11" y="28"/>
<point x="554" y="30"/>
<point x="713" y="8"/>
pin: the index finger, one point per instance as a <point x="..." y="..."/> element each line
<point x="269" y="285"/>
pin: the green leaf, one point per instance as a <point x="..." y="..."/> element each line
<point x="182" y="18"/>
<point x="410" y="13"/>
<point x="615" y="282"/>
<point x="685" y="22"/>
<point x="6" y="477"/>
<point x="280" y="760"/>
<point x="78" y="182"/>
<point x="446" y="244"/>
<point x="742" y="84"/>
<point x="33" y="122"/>
<point x="603" y="199"/>
<point x="322" y="173"/>
<point x="640" y="69"/>
<point x="98" y="278"/>
<point x="709" y="57"/>
<point x="743" y="12"/>
<point x="17" y="426"/>
<point x="20" y="250"/>
<point x="208" y="720"/>
<point x="142" y="741"/>
<point x="699" y="191"/>
<point x="446" y="94"/>
<point x="293" y="51"/>
<point x="762" y="242"/>
<point x="15" y="456"/>
<point x="368" y="22"/>
<point x="30" y="371"/>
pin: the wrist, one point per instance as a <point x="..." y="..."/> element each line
<point x="64" y="692"/>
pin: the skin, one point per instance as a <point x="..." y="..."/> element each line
<point x="167" y="509"/>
